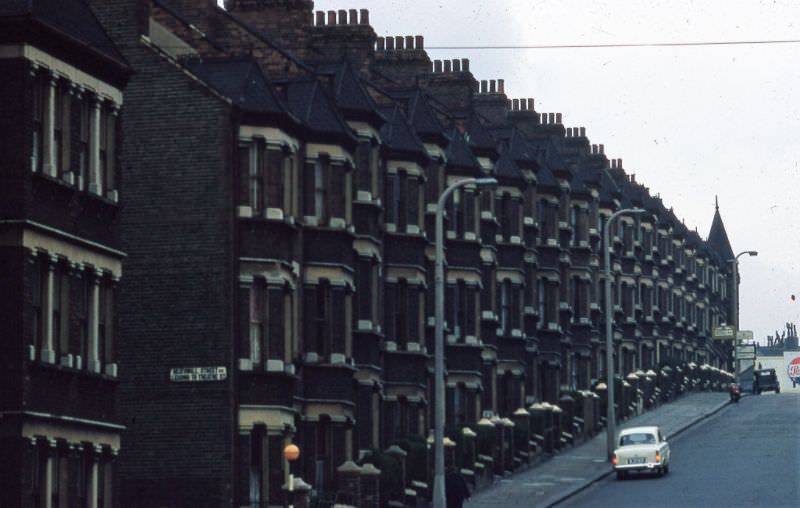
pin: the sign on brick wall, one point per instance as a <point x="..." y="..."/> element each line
<point x="191" y="374"/>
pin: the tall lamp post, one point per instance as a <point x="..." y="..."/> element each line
<point x="735" y="309"/>
<point x="438" y="426"/>
<point x="611" y="415"/>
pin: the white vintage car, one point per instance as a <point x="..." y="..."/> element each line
<point x="641" y="449"/>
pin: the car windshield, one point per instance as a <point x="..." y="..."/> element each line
<point x="637" y="439"/>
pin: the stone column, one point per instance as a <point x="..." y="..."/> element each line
<point x="95" y="178"/>
<point x="93" y="362"/>
<point x="48" y="127"/>
<point x="47" y="352"/>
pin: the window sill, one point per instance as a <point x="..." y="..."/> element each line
<point x="73" y="364"/>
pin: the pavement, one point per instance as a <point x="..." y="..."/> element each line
<point x="575" y="469"/>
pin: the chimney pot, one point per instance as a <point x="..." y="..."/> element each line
<point x="501" y="86"/>
<point x="594" y="149"/>
<point x="569" y="132"/>
<point x="558" y="118"/>
<point x="530" y="104"/>
<point x="420" y="42"/>
<point x="583" y="132"/>
<point x="602" y="148"/>
<point x="456" y="65"/>
<point x="448" y="66"/>
<point x="399" y="42"/>
<point x="409" y="42"/>
<point x="342" y="17"/>
<point x="320" y="18"/>
<point x="619" y="162"/>
<point x="465" y="64"/>
<point x="353" y="17"/>
<point x="552" y="118"/>
<point x="381" y="44"/>
<point x="492" y="86"/>
<point x="515" y="104"/>
<point x="484" y="86"/>
<point x="543" y="119"/>
<point x="613" y="163"/>
<point x="331" y="18"/>
<point x="390" y="43"/>
<point x="364" y="17"/>
<point x="633" y="177"/>
<point x="437" y="65"/>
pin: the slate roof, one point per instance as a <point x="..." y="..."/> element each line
<point x="419" y="112"/>
<point x="609" y="191"/>
<point x="399" y="137"/>
<point x="516" y="153"/>
<point x="72" y="18"/>
<point x="459" y="154"/>
<point x="479" y="137"/>
<point x="242" y="82"/>
<point x="585" y="177"/>
<point x="351" y="95"/>
<point x="307" y="99"/>
<point x="718" y="237"/>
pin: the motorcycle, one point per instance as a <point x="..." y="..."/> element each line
<point x="735" y="391"/>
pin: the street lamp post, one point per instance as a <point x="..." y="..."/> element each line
<point x="735" y="308"/>
<point x="438" y="426"/>
<point x="611" y="415"/>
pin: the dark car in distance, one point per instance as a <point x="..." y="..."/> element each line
<point x="765" y="379"/>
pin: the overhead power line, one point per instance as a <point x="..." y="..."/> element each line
<point x="626" y="45"/>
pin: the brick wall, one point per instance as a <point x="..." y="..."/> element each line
<point x="176" y="290"/>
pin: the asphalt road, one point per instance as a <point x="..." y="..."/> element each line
<point x="748" y="454"/>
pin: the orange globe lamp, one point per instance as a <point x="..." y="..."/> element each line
<point x="291" y="452"/>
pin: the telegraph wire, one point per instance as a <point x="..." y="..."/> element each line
<point x="623" y="45"/>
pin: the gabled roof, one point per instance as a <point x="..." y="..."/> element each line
<point x="351" y="95"/>
<point x="480" y="139"/>
<point x="419" y="112"/>
<point x="399" y="137"/>
<point x="307" y="99"/>
<point x="718" y="237"/>
<point x="71" y="18"/>
<point x="242" y="82"/>
<point x="459" y="154"/>
<point x="516" y="153"/>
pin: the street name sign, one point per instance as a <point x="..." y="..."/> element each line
<point x="724" y="332"/>
<point x="746" y="352"/>
<point x="194" y="374"/>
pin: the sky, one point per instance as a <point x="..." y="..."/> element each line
<point x="691" y="122"/>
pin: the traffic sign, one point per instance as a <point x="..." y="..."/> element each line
<point x="724" y="332"/>
<point x="746" y="352"/>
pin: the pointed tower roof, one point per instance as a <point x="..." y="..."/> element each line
<point x="718" y="237"/>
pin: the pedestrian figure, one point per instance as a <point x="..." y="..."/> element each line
<point x="456" y="488"/>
